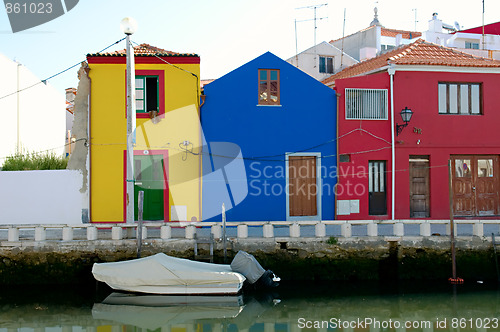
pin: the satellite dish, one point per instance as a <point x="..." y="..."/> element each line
<point x="457" y="26"/>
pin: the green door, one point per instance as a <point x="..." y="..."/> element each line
<point x="149" y="177"/>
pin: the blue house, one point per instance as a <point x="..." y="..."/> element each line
<point x="270" y="154"/>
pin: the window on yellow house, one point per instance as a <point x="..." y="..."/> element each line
<point x="146" y="94"/>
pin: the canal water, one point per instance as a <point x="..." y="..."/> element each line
<point x="306" y="306"/>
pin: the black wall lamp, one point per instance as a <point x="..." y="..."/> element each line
<point x="406" y="114"/>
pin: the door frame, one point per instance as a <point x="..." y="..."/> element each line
<point x="166" y="191"/>
<point x="318" y="216"/>
<point x="474" y="158"/>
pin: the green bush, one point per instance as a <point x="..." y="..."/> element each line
<point x="34" y="161"/>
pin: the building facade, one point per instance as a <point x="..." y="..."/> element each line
<point x="270" y="130"/>
<point x="166" y="157"/>
<point x="389" y="170"/>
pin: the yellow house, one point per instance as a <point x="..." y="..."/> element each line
<point x="167" y="154"/>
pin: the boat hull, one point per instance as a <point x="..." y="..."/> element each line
<point x="162" y="274"/>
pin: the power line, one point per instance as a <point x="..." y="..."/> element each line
<point x="59" y="73"/>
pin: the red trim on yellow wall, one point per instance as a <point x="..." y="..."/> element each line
<point x="161" y="91"/>
<point x="142" y="60"/>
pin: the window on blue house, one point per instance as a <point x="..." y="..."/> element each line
<point x="326" y="64"/>
<point x="146" y="94"/>
<point x="269" y="87"/>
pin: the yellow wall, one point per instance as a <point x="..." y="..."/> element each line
<point x="108" y="138"/>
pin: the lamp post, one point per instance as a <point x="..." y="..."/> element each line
<point x="406" y="115"/>
<point x="128" y="25"/>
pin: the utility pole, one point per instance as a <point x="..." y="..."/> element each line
<point x="129" y="26"/>
<point x="18" y="143"/>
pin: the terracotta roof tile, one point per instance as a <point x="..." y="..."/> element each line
<point x="388" y="33"/>
<point x="418" y="53"/>
<point x="406" y="34"/>
<point x="145" y="50"/>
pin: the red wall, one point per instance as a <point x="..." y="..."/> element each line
<point x="440" y="136"/>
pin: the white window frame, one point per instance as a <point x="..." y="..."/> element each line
<point x="366" y="104"/>
<point x="326" y="64"/>
<point x="453" y="98"/>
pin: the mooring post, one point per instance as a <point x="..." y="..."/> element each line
<point x="224" y="231"/>
<point x="453" y="279"/>
<point x="140" y="203"/>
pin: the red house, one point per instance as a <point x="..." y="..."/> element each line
<point x="389" y="169"/>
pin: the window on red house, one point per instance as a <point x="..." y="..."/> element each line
<point x="459" y="98"/>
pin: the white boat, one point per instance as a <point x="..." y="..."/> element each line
<point x="162" y="274"/>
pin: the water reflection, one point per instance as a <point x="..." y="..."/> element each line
<point x="324" y="308"/>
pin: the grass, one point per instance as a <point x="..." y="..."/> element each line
<point x="34" y="161"/>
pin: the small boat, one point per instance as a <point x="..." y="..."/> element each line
<point x="162" y="274"/>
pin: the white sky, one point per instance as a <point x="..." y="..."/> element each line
<point x="225" y="33"/>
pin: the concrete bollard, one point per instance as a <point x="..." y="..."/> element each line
<point x="448" y="229"/>
<point x="242" y="231"/>
<point x="425" y="229"/>
<point x="346" y="230"/>
<point x="116" y="233"/>
<point x="67" y="234"/>
<point x="13" y="235"/>
<point x="320" y="229"/>
<point x="399" y="229"/>
<point x="478" y="229"/>
<point x="40" y="233"/>
<point x="294" y="230"/>
<point x="216" y="231"/>
<point x="372" y="229"/>
<point x="91" y="233"/>
<point x="267" y="231"/>
<point x="190" y="231"/>
<point x="144" y="232"/>
<point x="165" y="232"/>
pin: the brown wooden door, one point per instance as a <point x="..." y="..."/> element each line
<point x="486" y="185"/>
<point x="475" y="185"/>
<point x="419" y="187"/>
<point x="302" y="186"/>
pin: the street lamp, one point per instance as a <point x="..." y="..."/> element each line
<point x="128" y="25"/>
<point x="406" y="115"/>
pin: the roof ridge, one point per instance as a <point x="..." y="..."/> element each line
<point x="145" y="49"/>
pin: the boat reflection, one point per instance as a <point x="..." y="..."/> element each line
<point x="163" y="311"/>
<point x="298" y="310"/>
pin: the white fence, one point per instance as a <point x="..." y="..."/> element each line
<point x="243" y="230"/>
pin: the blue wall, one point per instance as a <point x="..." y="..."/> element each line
<point x="305" y="122"/>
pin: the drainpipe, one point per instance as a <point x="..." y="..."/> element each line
<point x="391" y="71"/>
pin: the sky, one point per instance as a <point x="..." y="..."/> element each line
<point x="225" y="33"/>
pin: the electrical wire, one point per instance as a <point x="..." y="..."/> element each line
<point x="59" y="73"/>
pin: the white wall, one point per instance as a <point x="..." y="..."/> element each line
<point x="42" y="112"/>
<point x="308" y="60"/>
<point x="41" y="197"/>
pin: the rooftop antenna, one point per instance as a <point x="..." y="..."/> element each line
<point x="314" y="7"/>
<point x="415" y="10"/>
<point x="342" y="48"/>
<point x="483" y="26"/>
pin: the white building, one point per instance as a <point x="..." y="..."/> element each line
<point x="470" y="40"/>
<point x="32" y="120"/>
<point x="374" y="40"/>
<point x="322" y="60"/>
